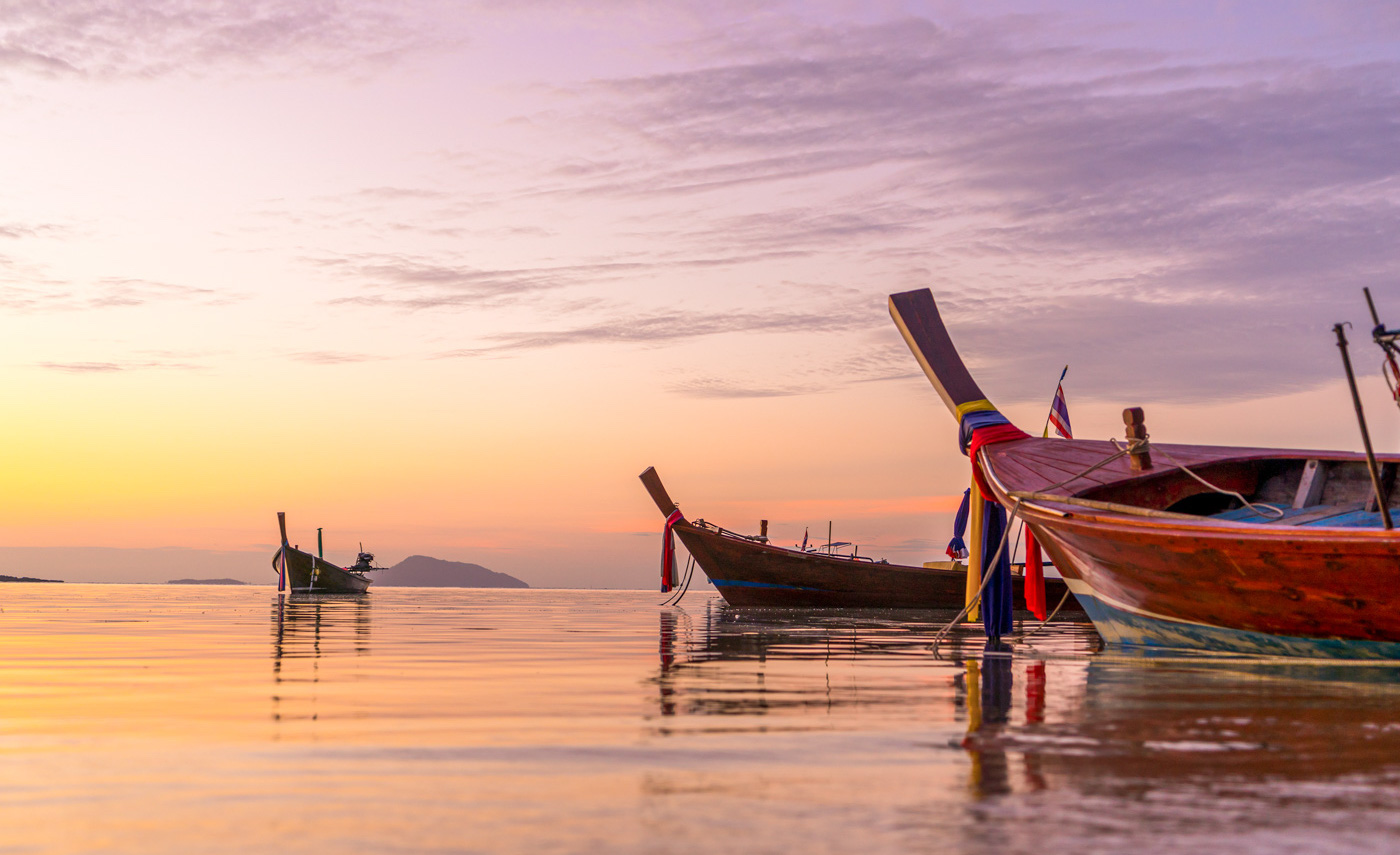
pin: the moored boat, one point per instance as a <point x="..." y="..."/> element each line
<point x="303" y="572"/>
<point x="1252" y="550"/>
<point x="750" y="571"/>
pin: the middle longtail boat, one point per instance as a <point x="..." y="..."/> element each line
<point x="750" y="571"/>
<point x="1251" y="550"/>
<point x="305" y="573"/>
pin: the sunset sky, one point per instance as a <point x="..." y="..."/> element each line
<point x="445" y="277"/>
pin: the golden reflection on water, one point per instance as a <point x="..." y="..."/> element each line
<point x="179" y="719"/>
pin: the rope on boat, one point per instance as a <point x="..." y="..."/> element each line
<point x="685" y="583"/>
<point x="1261" y="510"/>
<point x="986" y="578"/>
<point x="1136" y="445"/>
<point x="1063" y="599"/>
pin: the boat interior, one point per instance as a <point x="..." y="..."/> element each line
<point x="1283" y="491"/>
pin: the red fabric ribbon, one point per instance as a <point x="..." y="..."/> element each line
<point x="986" y="436"/>
<point x="1035" y="576"/>
<point x="668" y="551"/>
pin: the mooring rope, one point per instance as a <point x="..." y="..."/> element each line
<point x="685" y="583"/>
<point x="1063" y="599"/>
<point x="986" y="577"/>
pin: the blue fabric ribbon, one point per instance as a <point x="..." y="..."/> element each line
<point x="996" y="596"/>
<point x="957" y="548"/>
<point x="973" y="421"/>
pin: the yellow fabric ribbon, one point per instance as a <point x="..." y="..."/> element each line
<point x="978" y="406"/>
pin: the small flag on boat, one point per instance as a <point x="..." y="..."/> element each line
<point x="804" y="540"/>
<point x="1059" y="412"/>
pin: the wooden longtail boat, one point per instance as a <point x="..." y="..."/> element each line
<point x="1157" y="557"/>
<point x="750" y="571"/>
<point x="311" y="573"/>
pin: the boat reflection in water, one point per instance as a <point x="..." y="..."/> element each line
<point x="1174" y="741"/>
<point x="311" y="626"/>
<point x="733" y="661"/>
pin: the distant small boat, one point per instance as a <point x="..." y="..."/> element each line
<point x="307" y="573"/>
<point x="1254" y="550"/>
<point x="750" y="571"/>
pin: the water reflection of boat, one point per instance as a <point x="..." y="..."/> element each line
<point x="307" y="629"/>
<point x="698" y="653"/>
<point x="1244" y="549"/>
<point x="312" y="625"/>
<point x="311" y="573"/>
<point x="750" y="571"/>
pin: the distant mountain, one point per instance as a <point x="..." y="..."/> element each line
<point x="27" y="579"/>
<point x="420" y="571"/>
<point x="206" y="582"/>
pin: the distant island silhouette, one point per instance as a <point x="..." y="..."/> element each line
<point x="420" y="571"/>
<point x="28" y="579"/>
<point x="206" y="582"/>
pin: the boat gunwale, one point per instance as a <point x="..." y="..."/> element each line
<point x="705" y="531"/>
<point x="1203" y="525"/>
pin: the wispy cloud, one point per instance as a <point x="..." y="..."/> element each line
<point x="414" y="284"/>
<point x="104" y="38"/>
<point x="668" y="326"/>
<point x="1203" y="216"/>
<point x="30" y="230"/>
<point x="327" y="357"/>
<point x="38" y="294"/>
<point x="116" y="367"/>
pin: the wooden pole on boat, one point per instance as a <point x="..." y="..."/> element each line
<point x="320" y="550"/>
<point x="282" y="576"/>
<point x="1135" y="431"/>
<point x="1365" y="434"/>
<point x="976" y="507"/>
<point x="657" y="491"/>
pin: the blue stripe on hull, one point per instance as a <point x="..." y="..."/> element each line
<point x="730" y="583"/>
<point x="1123" y="627"/>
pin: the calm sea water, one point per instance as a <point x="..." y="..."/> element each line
<point x="158" y="719"/>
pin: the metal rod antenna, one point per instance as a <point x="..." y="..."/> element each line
<point x="1365" y="435"/>
<point x="1375" y="318"/>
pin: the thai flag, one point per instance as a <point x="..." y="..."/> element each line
<point x="1059" y="413"/>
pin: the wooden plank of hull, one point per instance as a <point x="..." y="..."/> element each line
<point x="330" y="579"/>
<point x="1320" y="584"/>
<point x="747" y="573"/>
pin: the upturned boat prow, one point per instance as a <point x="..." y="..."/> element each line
<point x="1246" y="550"/>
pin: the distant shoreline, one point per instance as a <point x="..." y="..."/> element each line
<point x="206" y="582"/>
<point x="29" y="579"/>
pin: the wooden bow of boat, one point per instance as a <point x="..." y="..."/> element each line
<point x="1173" y="557"/>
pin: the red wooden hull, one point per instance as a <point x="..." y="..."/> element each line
<point x="1157" y="557"/>
<point x="1164" y="580"/>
